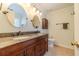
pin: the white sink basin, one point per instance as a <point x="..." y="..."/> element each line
<point x="20" y="38"/>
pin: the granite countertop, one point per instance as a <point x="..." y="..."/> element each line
<point x="7" y="41"/>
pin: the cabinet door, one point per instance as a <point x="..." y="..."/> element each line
<point x="46" y="44"/>
<point x="42" y="47"/>
<point x="44" y="23"/>
<point x="18" y="53"/>
<point x="38" y="49"/>
<point x="30" y="50"/>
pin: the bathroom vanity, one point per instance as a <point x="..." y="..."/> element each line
<point x="34" y="45"/>
<point x="20" y="44"/>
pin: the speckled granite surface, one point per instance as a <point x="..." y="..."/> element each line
<point x="7" y="41"/>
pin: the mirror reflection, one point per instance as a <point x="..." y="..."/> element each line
<point x="36" y="22"/>
<point x="17" y="15"/>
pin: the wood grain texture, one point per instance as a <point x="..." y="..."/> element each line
<point x="34" y="47"/>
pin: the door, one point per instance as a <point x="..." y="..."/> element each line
<point x="76" y="29"/>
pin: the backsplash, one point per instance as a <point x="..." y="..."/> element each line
<point x="15" y="33"/>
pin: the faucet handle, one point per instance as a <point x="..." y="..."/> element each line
<point x="18" y="33"/>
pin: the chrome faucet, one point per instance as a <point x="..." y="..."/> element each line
<point x="18" y="33"/>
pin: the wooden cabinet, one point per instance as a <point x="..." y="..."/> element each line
<point x="44" y="23"/>
<point x="30" y="50"/>
<point x="34" y="47"/>
<point x="38" y="49"/>
<point x="18" y="53"/>
<point x="41" y="46"/>
<point x="43" y="50"/>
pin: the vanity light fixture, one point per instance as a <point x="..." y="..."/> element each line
<point x="40" y="14"/>
<point x="4" y="12"/>
<point x="34" y="9"/>
<point x="37" y="11"/>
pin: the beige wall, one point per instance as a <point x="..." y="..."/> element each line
<point x="6" y="27"/>
<point x="62" y="37"/>
<point x="76" y="26"/>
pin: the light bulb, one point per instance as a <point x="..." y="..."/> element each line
<point x="37" y="11"/>
<point x="40" y="14"/>
<point x="34" y="9"/>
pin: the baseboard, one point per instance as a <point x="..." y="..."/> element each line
<point x="63" y="46"/>
<point x="50" y="45"/>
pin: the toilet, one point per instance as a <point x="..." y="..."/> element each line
<point x="51" y="42"/>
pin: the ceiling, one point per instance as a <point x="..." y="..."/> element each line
<point x="44" y="7"/>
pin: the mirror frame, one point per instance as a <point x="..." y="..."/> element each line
<point x="35" y="18"/>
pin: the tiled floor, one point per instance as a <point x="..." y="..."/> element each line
<point x="59" y="51"/>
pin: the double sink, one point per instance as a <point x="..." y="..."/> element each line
<point x="21" y="38"/>
<point x="13" y="40"/>
<point x="7" y="41"/>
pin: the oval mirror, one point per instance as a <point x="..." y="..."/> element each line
<point x="17" y="15"/>
<point x="35" y="21"/>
